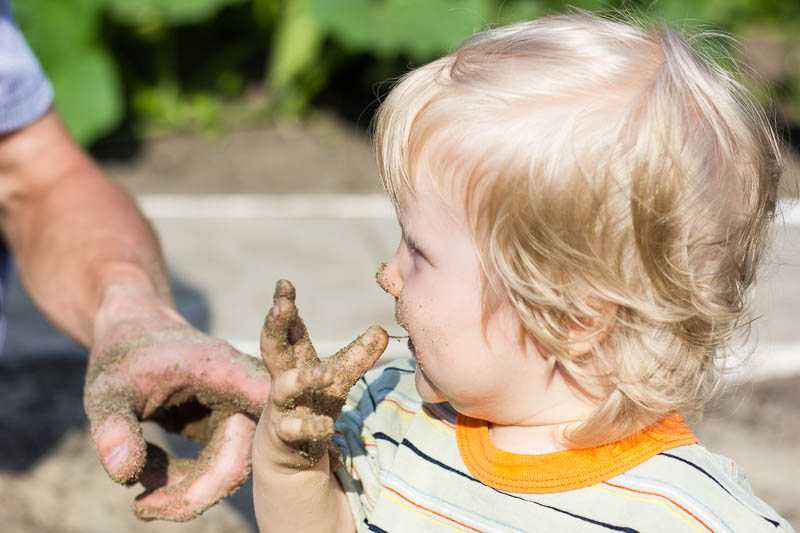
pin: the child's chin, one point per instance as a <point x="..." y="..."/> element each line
<point x="425" y="389"/>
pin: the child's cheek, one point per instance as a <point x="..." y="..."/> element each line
<point x="401" y="313"/>
<point x="408" y="314"/>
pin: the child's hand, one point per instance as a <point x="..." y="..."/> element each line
<point x="307" y="393"/>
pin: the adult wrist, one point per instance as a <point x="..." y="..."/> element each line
<point x="118" y="277"/>
<point x="126" y="294"/>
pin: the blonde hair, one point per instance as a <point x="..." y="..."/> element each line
<point x="607" y="168"/>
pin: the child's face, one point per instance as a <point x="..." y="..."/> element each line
<point x="435" y="278"/>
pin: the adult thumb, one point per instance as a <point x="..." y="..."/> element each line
<point x="116" y="433"/>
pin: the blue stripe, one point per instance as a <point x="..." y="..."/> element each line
<point x="383" y="436"/>
<point x="712" y="478"/>
<point x="404" y="370"/>
<point x="369" y="393"/>
<point x="440" y="464"/>
<point x="373" y="527"/>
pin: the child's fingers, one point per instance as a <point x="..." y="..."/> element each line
<point x="302" y="427"/>
<point x="352" y="361"/>
<point x="284" y="289"/>
<point x="296" y="382"/>
<point x="304" y="351"/>
<point x="276" y="349"/>
<point x="305" y="354"/>
<point x="297" y="333"/>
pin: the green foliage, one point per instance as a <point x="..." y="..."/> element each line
<point x="88" y="109"/>
<point x="163" y="13"/>
<point x="171" y="110"/>
<point x="388" y="29"/>
<point x="419" y="28"/>
<point x="65" y="37"/>
<point x="173" y="63"/>
<point x="295" y="59"/>
<point x="510" y="12"/>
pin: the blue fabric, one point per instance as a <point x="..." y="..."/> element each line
<point x="25" y="92"/>
<point x="25" y="95"/>
<point x="5" y="263"/>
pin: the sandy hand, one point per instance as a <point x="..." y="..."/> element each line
<point x="147" y="363"/>
<point x="307" y="393"/>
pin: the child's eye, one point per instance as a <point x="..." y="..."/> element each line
<point x="413" y="250"/>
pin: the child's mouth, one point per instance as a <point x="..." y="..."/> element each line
<point x="409" y="342"/>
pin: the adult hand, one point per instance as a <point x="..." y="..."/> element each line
<point x="148" y="363"/>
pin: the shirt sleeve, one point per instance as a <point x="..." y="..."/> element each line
<point x="25" y="92"/>
<point x="748" y="498"/>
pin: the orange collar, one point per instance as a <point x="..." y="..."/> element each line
<point x="564" y="470"/>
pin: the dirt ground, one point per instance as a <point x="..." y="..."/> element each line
<point x="323" y="155"/>
<point x="50" y="479"/>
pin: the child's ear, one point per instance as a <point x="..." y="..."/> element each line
<point x="591" y="332"/>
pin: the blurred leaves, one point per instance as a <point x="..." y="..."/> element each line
<point x="174" y="63"/>
<point x="296" y="56"/>
<point x="65" y="37"/>
<point x="162" y="13"/>
<point x="88" y="94"/>
<point x="419" y="28"/>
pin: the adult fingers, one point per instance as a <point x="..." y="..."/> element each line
<point x="352" y="361"/>
<point x="115" y="430"/>
<point x="222" y="467"/>
<point x="162" y="469"/>
<point x="226" y="378"/>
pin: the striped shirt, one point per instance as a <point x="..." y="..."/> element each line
<point x="403" y="468"/>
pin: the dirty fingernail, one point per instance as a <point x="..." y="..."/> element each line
<point x="117" y="458"/>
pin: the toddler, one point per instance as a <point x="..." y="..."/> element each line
<point x="583" y="204"/>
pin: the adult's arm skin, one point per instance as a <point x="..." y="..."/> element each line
<point x="93" y="266"/>
<point x="69" y="226"/>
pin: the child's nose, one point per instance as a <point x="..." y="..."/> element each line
<point x="388" y="278"/>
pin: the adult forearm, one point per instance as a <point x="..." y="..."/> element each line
<point x="74" y="244"/>
<point x="74" y="233"/>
